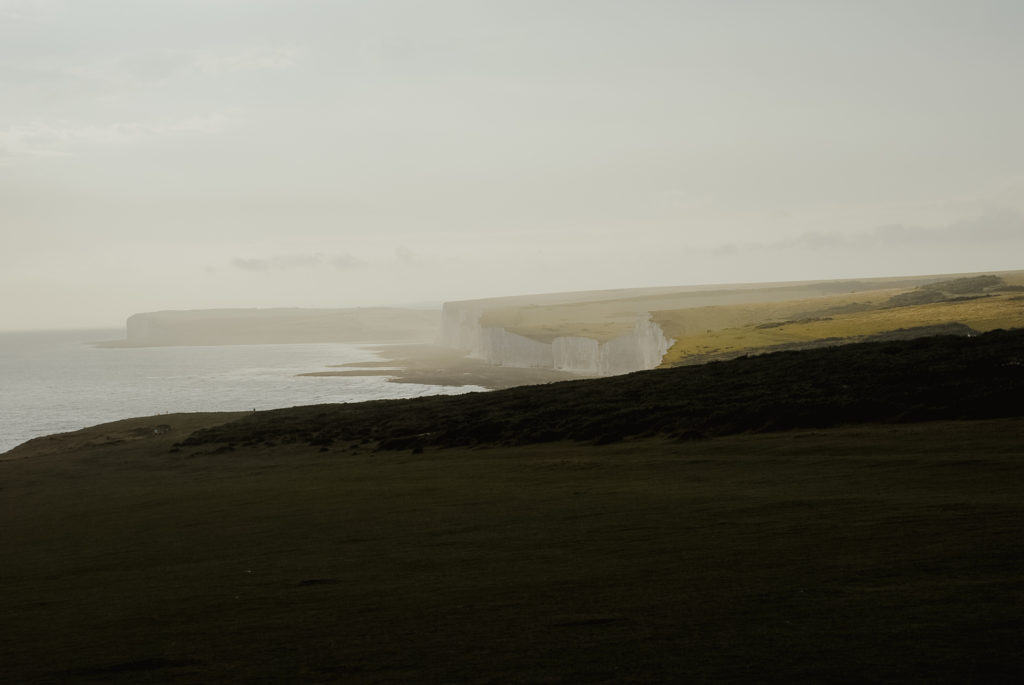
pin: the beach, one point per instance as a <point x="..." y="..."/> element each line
<point x="442" y="366"/>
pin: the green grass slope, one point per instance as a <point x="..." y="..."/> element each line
<point x="690" y="315"/>
<point x="976" y="304"/>
<point x="603" y="315"/>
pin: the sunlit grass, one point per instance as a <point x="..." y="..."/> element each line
<point x="1002" y="310"/>
<point x="723" y="320"/>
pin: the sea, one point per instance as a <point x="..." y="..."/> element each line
<point x="59" y="381"/>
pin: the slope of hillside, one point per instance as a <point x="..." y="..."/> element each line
<point x="944" y="377"/>
<point x="287" y="547"/>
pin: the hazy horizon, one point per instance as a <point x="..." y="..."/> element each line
<point x="258" y="153"/>
<point x="432" y="306"/>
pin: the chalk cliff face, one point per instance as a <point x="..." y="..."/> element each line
<point x="642" y="348"/>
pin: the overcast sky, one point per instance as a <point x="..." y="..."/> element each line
<point x="177" y="154"/>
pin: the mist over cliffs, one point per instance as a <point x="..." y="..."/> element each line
<point x="641" y="348"/>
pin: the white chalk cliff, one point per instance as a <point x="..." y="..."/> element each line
<point x="642" y="348"/>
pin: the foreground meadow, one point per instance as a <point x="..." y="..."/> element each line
<point x="873" y="553"/>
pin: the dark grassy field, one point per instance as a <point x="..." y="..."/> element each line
<point x="881" y="552"/>
<point x="869" y="554"/>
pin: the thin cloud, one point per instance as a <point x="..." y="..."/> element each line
<point x="20" y="10"/>
<point x="343" y="262"/>
<point x="406" y="256"/>
<point x="44" y="139"/>
<point x="994" y="227"/>
<point x="281" y="58"/>
<point x="811" y="240"/>
<point x="91" y="78"/>
<point x="128" y="72"/>
<point x="297" y="262"/>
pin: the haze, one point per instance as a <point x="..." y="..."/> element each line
<point x="228" y="153"/>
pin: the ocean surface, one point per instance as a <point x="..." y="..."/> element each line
<point x="55" y="381"/>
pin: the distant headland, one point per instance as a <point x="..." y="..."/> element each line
<point x="283" y="325"/>
<point x="528" y="339"/>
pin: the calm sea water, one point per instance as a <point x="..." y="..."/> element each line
<point x="52" y="382"/>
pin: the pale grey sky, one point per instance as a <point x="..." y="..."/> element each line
<point x="175" y="154"/>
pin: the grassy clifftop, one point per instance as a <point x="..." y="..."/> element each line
<point x="977" y="304"/>
<point x="605" y="315"/>
<point x="709" y="323"/>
